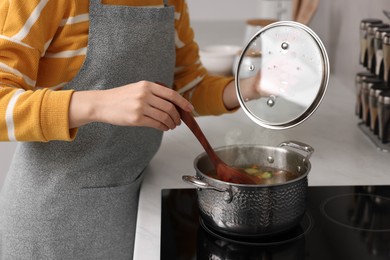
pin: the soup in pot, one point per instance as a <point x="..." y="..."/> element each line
<point x="264" y="175"/>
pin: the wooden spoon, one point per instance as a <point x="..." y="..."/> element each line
<point x="224" y="172"/>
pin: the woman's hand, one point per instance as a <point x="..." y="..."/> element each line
<point x="250" y="89"/>
<point x="139" y="104"/>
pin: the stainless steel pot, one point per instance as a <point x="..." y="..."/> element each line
<point x="253" y="210"/>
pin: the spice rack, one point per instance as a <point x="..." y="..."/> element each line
<point x="373" y="83"/>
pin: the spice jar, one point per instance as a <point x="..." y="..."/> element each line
<point x="371" y="58"/>
<point x="360" y="76"/>
<point x="384" y="116"/>
<point x="363" y="38"/>
<point x="368" y="83"/>
<point x="378" y="46"/>
<point x="386" y="58"/>
<point x="373" y="105"/>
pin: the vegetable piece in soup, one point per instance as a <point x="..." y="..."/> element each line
<point x="265" y="175"/>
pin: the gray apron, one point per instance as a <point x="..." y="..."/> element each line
<point x="78" y="200"/>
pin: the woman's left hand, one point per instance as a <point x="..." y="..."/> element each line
<point x="250" y="89"/>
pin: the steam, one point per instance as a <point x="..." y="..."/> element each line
<point x="254" y="135"/>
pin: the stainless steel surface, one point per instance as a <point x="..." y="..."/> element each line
<point x="255" y="210"/>
<point x="299" y="146"/>
<point x="197" y="182"/>
<point x="294" y="68"/>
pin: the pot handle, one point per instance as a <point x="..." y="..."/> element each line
<point x="299" y="146"/>
<point x="197" y="182"/>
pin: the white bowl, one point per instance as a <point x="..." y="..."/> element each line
<point x="219" y="59"/>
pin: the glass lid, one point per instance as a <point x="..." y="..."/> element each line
<point x="289" y="64"/>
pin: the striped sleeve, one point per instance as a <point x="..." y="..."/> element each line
<point x="28" y="113"/>
<point x="191" y="78"/>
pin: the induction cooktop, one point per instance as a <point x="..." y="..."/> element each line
<point x="341" y="222"/>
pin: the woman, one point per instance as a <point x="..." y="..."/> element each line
<point x="79" y="92"/>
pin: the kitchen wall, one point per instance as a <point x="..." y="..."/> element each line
<point x="228" y="10"/>
<point x="336" y="22"/>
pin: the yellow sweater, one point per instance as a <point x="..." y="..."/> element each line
<point x="42" y="47"/>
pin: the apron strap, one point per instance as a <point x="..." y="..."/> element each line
<point x="165" y="3"/>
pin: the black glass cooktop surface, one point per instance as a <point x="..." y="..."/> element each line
<point x="341" y="222"/>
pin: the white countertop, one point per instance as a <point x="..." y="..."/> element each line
<point x="343" y="155"/>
